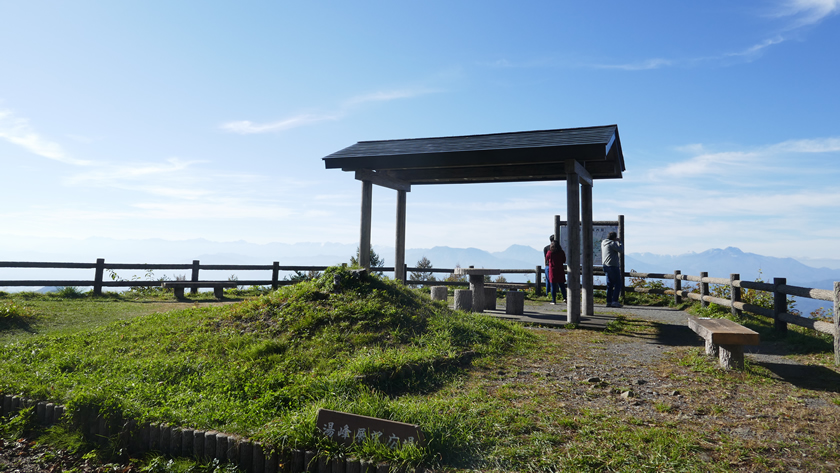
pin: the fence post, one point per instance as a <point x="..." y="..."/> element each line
<point x="538" y="279"/>
<point x="405" y="273"/>
<point x="734" y="294"/>
<point x="779" y="306"/>
<point x="97" y="278"/>
<point x="704" y="289"/>
<point x="677" y="286"/>
<point x="836" y="323"/>
<point x="275" y="275"/>
<point x="194" y="289"/>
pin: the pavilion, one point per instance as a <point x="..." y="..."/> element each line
<point x="578" y="156"/>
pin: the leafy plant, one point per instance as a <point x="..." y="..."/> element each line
<point x="18" y="425"/>
<point x="421" y="275"/>
<point x="9" y="311"/>
<point x="69" y="292"/>
<point x="376" y="261"/>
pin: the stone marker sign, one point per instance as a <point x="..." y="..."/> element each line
<point x="349" y="428"/>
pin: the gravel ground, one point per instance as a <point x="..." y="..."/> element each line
<point x="783" y="413"/>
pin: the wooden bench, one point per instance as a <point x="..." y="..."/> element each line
<point x="218" y="287"/>
<point x="724" y="339"/>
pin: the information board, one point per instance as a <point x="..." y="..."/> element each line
<point x="599" y="232"/>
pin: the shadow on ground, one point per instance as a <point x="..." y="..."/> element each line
<point x="812" y="377"/>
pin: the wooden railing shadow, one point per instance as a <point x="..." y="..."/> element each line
<point x="811" y="377"/>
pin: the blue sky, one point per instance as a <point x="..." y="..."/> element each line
<point x="180" y="120"/>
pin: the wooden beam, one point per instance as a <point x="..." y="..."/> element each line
<point x="583" y="174"/>
<point x="383" y="180"/>
<point x="433" y="159"/>
<point x="500" y="173"/>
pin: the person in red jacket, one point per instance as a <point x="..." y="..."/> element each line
<point x="554" y="260"/>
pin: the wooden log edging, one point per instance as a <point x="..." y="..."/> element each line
<point x="247" y="454"/>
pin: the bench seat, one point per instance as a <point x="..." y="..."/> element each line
<point x="724" y="339"/>
<point x="218" y="287"/>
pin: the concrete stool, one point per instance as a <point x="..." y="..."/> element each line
<point x="490" y="298"/>
<point x="439" y="293"/>
<point x="463" y="299"/>
<point x="515" y="303"/>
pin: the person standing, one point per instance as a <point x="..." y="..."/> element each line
<point x="545" y="256"/>
<point x="555" y="258"/>
<point x="611" y="250"/>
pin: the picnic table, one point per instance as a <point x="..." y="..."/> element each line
<point x="476" y="278"/>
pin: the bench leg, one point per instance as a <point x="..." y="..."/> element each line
<point x="732" y="356"/>
<point x="219" y="292"/>
<point x="711" y="348"/>
<point x="179" y="292"/>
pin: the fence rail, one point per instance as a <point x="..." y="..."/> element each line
<point x="100" y="278"/>
<point x="779" y="288"/>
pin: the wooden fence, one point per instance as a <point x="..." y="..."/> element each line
<point x="100" y="279"/>
<point x="779" y="288"/>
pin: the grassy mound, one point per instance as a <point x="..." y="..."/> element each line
<point x="262" y="368"/>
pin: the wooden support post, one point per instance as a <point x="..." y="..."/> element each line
<point x="734" y="294"/>
<point x="538" y="280"/>
<point x="364" y="237"/>
<point x="677" y="286"/>
<point x="573" y="252"/>
<point x="195" y="267"/>
<point x="779" y="306"/>
<point x="588" y="298"/>
<point x="399" y="257"/>
<point x="704" y="289"/>
<point x="557" y="228"/>
<point x="836" y="323"/>
<point x="97" y="278"/>
<point x="275" y="275"/>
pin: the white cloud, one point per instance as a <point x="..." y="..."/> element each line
<point x="709" y="163"/>
<point x="803" y="12"/>
<point x="755" y="49"/>
<point x="388" y="95"/>
<point x="807" y="12"/>
<point x="17" y="131"/>
<point x="639" y="66"/>
<point x="825" y="145"/>
<point x="246" y="127"/>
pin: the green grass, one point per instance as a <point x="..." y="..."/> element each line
<point x="262" y="368"/>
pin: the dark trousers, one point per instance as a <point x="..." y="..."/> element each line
<point x="615" y="283"/>
<point x="554" y="287"/>
<point x="547" y="281"/>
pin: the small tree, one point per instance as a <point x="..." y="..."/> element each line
<point x="421" y="275"/>
<point x="375" y="261"/>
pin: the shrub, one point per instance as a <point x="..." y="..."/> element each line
<point x="11" y="311"/>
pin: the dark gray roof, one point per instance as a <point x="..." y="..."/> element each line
<point x="499" y="157"/>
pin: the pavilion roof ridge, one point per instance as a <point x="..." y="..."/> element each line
<point x="505" y="133"/>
